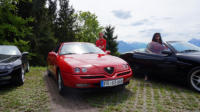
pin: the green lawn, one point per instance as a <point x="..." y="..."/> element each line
<point x="32" y="96"/>
<point x="138" y="96"/>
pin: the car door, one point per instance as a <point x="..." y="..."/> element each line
<point x="155" y="63"/>
<point x="52" y="60"/>
<point x="164" y="64"/>
<point x="143" y="62"/>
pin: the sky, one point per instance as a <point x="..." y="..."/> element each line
<point x="138" y="20"/>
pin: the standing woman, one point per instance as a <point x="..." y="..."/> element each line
<point x="156" y="47"/>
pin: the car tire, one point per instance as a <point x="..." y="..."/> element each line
<point x="60" y="84"/>
<point x="28" y="67"/>
<point x="19" y="77"/>
<point x="194" y="79"/>
<point x="48" y="73"/>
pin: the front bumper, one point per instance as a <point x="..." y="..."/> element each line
<point x="93" y="81"/>
<point x="6" y="75"/>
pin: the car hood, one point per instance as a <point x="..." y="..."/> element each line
<point x="93" y="59"/>
<point x="8" y="58"/>
<point x="192" y="56"/>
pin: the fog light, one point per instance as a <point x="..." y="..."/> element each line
<point x="82" y="85"/>
<point x="6" y="78"/>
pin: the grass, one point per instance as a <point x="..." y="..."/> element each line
<point x="30" y="97"/>
<point x="141" y="96"/>
<point x="138" y="96"/>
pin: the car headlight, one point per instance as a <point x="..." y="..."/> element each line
<point x="77" y="70"/>
<point x="84" y="70"/>
<point x="3" y="67"/>
<point x="125" y="66"/>
<point x="8" y="66"/>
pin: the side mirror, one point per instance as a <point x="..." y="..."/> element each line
<point x="52" y="53"/>
<point x="107" y="52"/>
<point x="167" y="52"/>
<point x="25" y="53"/>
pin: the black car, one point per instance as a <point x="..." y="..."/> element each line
<point x="13" y="64"/>
<point x="180" y="60"/>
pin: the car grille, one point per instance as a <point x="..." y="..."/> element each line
<point x="3" y="72"/>
<point x="109" y="70"/>
<point x="124" y="73"/>
<point x="91" y="77"/>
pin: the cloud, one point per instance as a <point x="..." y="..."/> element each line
<point x="150" y="32"/>
<point x="122" y="14"/>
<point x="141" y="22"/>
<point x="167" y="18"/>
<point x="137" y="23"/>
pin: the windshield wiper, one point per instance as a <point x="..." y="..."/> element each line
<point x="68" y="53"/>
<point x="189" y="50"/>
<point x="90" y="53"/>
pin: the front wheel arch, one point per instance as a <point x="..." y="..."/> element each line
<point x="57" y="70"/>
<point x="61" y="87"/>
<point x="18" y="77"/>
<point x="192" y="81"/>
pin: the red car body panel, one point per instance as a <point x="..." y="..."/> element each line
<point x="95" y="64"/>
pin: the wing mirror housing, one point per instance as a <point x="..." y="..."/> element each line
<point x="24" y="53"/>
<point x="107" y="52"/>
<point x="167" y="52"/>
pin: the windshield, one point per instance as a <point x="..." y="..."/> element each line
<point x="9" y="50"/>
<point x="184" y="47"/>
<point x="80" y="48"/>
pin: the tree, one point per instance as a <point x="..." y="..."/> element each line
<point x="42" y="40"/>
<point x="52" y="14"/>
<point x="111" y="40"/>
<point x="88" y="26"/>
<point x="13" y="28"/>
<point x="65" y="23"/>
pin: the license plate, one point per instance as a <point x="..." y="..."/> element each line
<point x="110" y="83"/>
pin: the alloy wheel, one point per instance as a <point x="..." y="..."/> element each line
<point x="195" y="80"/>
<point x="22" y="74"/>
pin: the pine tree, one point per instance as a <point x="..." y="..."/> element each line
<point x="65" y="23"/>
<point x="52" y="14"/>
<point x="111" y="40"/>
<point x="42" y="40"/>
<point x="13" y="28"/>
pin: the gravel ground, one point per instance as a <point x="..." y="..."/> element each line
<point x="72" y="101"/>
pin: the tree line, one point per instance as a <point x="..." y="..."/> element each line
<point x="37" y="26"/>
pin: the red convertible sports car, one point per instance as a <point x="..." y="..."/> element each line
<point x="83" y="65"/>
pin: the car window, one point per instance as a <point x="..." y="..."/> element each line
<point x="9" y="50"/>
<point x="183" y="47"/>
<point x="80" y="48"/>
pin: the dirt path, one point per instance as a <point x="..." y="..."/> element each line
<point x="71" y="102"/>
